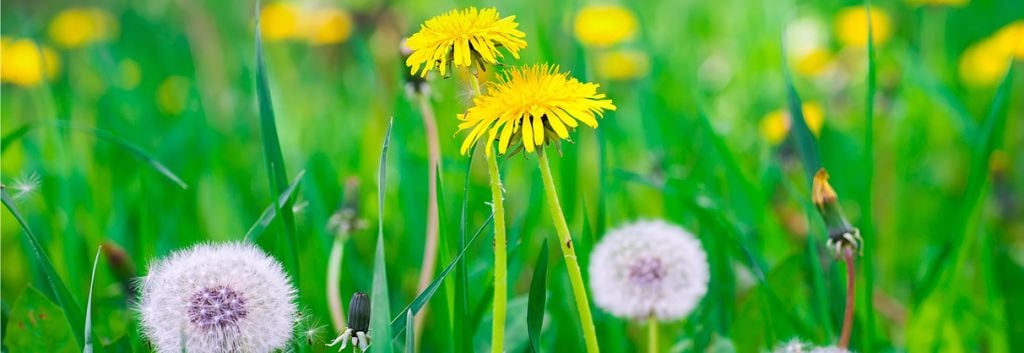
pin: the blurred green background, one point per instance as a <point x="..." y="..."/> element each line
<point x="97" y="94"/>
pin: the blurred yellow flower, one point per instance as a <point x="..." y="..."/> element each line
<point x="954" y="3"/>
<point x="78" y="27"/>
<point x="851" y="26"/>
<point x="604" y="25"/>
<point x="172" y="95"/>
<point x="280" y="21"/>
<point x="461" y="37"/>
<point x="533" y="105"/>
<point x="813" y="62"/>
<point x="25" y="63"/>
<point x="131" y="74"/>
<point x="984" y="63"/>
<point x="1011" y="39"/>
<point x="775" y="125"/>
<point x="622" y="65"/>
<point x="329" y="26"/>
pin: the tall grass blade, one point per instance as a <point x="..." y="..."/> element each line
<point x="380" y="311"/>
<point x="801" y="133"/>
<point x="256" y="230"/>
<point x="15" y="135"/>
<point x="88" y="304"/>
<point x="538" y="297"/>
<point x="56" y="290"/>
<point x="272" y="149"/>
<point x="130" y="147"/>
<point x="867" y="226"/>
<point x="410" y="333"/>
<point x="461" y="312"/>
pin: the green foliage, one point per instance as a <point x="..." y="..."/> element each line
<point x="36" y="324"/>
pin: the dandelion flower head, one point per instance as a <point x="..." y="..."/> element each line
<point x="460" y="38"/>
<point x="851" y="25"/>
<point x="27" y="63"/>
<point x="775" y="125"/>
<point x="649" y="269"/>
<point x="604" y="25"/>
<point x="218" y="299"/>
<point x="77" y="27"/>
<point x="622" y="65"/>
<point x="532" y="105"/>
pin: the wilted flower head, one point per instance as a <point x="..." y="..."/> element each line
<point x="460" y="38"/>
<point x="842" y="236"/>
<point x="649" y="268"/>
<point x="358" y="331"/>
<point x="604" y="25"/>
<point x="534" y="105"/>
<point x="218" y="299"/>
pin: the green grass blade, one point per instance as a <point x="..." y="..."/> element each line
<point x="538" y="296"/>
<point x="410" y="333"/>
<point x="380" y="311"/>
<point x="56" y="290"/>
<point x="15" y="135"/>
<point x="130" y="147"/>
<point x="88" y="304"/>
<point x="867" y="226"/>
<point x="421" y="300"/>
<point x="272" y="149"/>
<point x="801" y="133"/>
<point x="461" y="312"/>
<point x="256" y="230"/>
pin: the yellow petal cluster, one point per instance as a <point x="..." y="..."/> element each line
<point x="604" y="25"/>
<point x="80" y="26"/>
<point x="458" y="38"/>
<point x="283" y="21"/>
<point x="775" y="125"/>
<point x="851" y="26"/>
<point x="985" y="63"/>
<point x="532" y="105"/>
<point x="622" y="65"/>
<point x="24" y="62"/>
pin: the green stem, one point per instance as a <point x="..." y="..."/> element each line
<point x="500" y="247"/>
<point x="571" y="265"/>
<point x="652" y="334"/>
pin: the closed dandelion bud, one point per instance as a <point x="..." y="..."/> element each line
<point x="123" y="267"/>
<point x="218" y="299"/>
<point x="359" y="312"/>
<point x="841" y="235"/>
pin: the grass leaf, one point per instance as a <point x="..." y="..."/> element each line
<point x="867" y="227"/>
<point x="801" y="133"/>
<point x="410" y="333"/>
<point x="380" y="311"/>
<point x="88" y="304"/>
<point x="130" y="147"/>
<point x="538" y="296"/>
<point x="271" y="211"/>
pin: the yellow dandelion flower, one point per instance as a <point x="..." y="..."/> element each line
<point x="1011" y="39"/>
<point x="604" y="25"/>
<point x="984" y="63"/>
<point x="851" y="26"/>
<point x="131" y="74"/>
<point x="775" y="125"/>
<point x="461" y="37"/>
<point x="26" y="63"/>
<point x="280" y="21"/>
<point x="951" y="3"/>
<point x="329" y="26"/>
<point x="813" y="62"/>
<point x="172" y="95"/>
<point x="622" y="65"/>
<point x="532" y="105"/>
<point x="78" y="27"/>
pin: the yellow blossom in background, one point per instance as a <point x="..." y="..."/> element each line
<point x="952" y="3"/>
<point x="172" y="95"/>
<point x="532" y="105"/>
<point x="131" y="74"/>
<point x="851" y="26"/>
<point x="604" y="25"/>
<point x="1011" y="39"/>
<point x="78" y="27"/>
<point x="984" y="63"/>
<point x="622" y="65"/>
<point x="775" y="125"/>
<point x="25" y="63"/>
<point x="813" y="62"/>
<point x="461" y="37"/>
<point x="280" y="21"/>
<point x="329" y="26"/>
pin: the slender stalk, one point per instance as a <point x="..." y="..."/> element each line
<point x="851" y="281"/>
<point x="579" y="291"/>
<point x="334" y="283"/>
<point x="430" y="249"/>
<point x="500" y="247"/>
<point x="652" y="334"/>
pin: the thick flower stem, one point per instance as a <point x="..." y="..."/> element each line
<point x="500" y="247"/>
<point x="851" y="280"/>
<point x="572" y="266"/>
<point x="434" y="156"/>
<point x="334" y="283"/>
<point x="652" y="334"/>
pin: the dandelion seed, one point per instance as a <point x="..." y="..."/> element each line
<point x="26" y="185"/>
<point x="532" y="105"/>
<point x="649" y="269"/>
<point x="218" y="299"/>
<point x="460" y="38"/>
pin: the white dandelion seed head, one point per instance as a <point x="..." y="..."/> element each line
<point x="218" y="298"/>
<point x="649" y="268"/>
<point x="793" y="346"/>
<point x="25" y="185"/>
<point x="829" y="349"/>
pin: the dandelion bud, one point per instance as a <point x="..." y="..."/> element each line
<point x="359" y="312"/>
<point x="841" y="235"/>
<point x="123" y="267"/>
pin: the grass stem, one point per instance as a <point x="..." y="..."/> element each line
<point x="431" y="233"/>
<point x="579" y="291"/>
<point x="851" y="282"/>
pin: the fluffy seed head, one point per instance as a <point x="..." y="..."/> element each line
<point x="218" y="299"/>
<point x="649" y="268"/>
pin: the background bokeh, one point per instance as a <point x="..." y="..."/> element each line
<point x="97" y="95"/>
